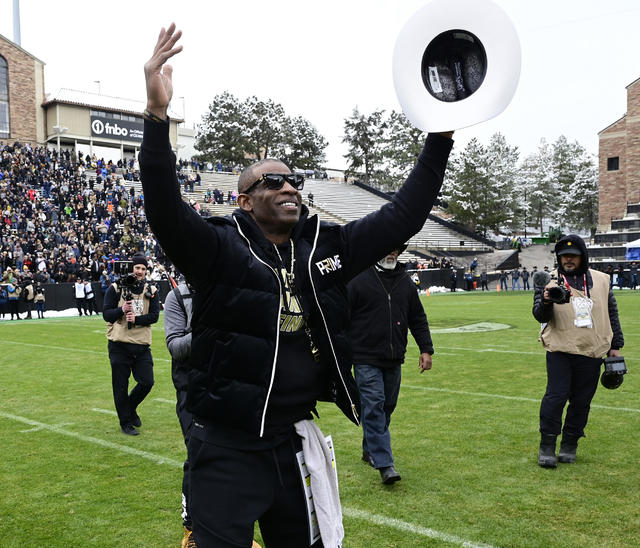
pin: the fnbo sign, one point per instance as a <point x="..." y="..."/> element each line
<point x="123" y="130"/>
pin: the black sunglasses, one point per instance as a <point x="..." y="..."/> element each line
<point x="275" y="181"/>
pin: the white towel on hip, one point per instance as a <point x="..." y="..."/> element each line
<point x="324" y="483"/>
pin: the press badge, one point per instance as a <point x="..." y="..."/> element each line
<point x="582" y="308"/>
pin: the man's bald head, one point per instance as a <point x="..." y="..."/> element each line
<point x="253" y="172"/>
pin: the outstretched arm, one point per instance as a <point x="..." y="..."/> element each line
<point x="158" y="75"/>
<point x="185" y="237"/>
<point x="373" y="236"/>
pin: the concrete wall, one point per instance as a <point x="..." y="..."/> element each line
<point x="62" y="296"/>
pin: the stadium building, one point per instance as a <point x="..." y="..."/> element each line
<point x="619" y="186"/>
<point x="109" y="127"/>
<point x="619" y="164"/>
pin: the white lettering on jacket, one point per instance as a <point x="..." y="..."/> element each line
<point x="330" y="264"/>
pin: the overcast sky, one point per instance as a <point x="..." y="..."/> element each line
<point x="320" y="59"/>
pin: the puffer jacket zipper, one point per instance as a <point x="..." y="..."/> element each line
<point x="275" y="354"/>
<point x="324" y="322"/>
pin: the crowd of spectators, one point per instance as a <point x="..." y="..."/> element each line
<point x="434" y="262"/>
<point x="64" y="217"/>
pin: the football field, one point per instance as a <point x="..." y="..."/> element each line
<point x="465" y="438"/>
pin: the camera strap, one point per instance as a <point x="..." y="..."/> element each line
<point x="585" y="287"/>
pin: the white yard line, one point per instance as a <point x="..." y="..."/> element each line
<point x="73" y="349"/>
<point x="97" y="441"/>
<point x="503" y="397"/>
<point x="104" y="411"/>
<point x="158" y="459"/>
<point x="411" y="528"/>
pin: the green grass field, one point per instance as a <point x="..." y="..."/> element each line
<point x="464" y="435"/>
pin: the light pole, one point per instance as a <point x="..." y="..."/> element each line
<point x="97" y="82"/>
<point x="184" y="112"/>
<point x="526" y="208"/>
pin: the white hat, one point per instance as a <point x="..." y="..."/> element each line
<point x="456" y="63"/>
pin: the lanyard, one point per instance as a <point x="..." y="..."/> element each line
<point x="584" y="281"/>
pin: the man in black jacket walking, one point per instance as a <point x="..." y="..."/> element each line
<point x="270" y="326"/>
<point x="384" y="305"/>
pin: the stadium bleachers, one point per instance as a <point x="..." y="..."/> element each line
<point x="340" y="203"/>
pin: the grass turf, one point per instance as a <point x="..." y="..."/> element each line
<point x="464" y="435"/>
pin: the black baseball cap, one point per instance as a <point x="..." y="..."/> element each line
<point x="570" y="245"/>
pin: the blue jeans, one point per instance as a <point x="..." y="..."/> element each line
<point x="379" y="390"/>
<point x="514" y="283"/>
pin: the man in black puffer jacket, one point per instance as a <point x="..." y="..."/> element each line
<point x="384" y="306"/>
<point x="270" y="323"/>
<point x="576" y="335"/>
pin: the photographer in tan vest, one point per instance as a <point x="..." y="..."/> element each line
<point x="130" y="308"/>
<point x="580" y="326"/>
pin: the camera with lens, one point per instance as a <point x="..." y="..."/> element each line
<point x="559" y="294"/>
<point x="123" y="271"/>
<point x="614" y="371"/>
<point x="126" y="281"/>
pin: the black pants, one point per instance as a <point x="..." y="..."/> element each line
<point x="185" y="418"/>
<point x="569" y="377"/>
<point x="13" y="307"/>
<point x="231" y="489"/>
<point x="485" y="286"/>
<point x="80" y="305"/>
<point x="127" y="358"/>
<point x="90" y="306"/>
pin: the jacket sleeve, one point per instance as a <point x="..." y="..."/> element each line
<point x="418" y="324"/>
<point x="175" y="328"/>
<point x="618" y="339"/>
<point x="368" y="239"/>
<point x="152" y="316"/>
<point x="112" y="312"/>
<point x="183" y="234"/>
<point x="541" y="311"/>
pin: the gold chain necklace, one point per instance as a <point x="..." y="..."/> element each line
<point x="290" y="275"/>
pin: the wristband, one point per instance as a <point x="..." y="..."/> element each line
<point x="148" y="115"/>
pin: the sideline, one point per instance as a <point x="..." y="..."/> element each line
<point x="503" y="397"/>
<point x="347" y="511"/>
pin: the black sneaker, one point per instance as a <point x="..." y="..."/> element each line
<point x="129" y="430"/>
<point x="389" y="475"/>
<point x="136" y="420"/>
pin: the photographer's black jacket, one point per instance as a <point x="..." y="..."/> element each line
<point x="232" y="265"/>
<point x="543" y="311"/>
<point x="384" y="305"/>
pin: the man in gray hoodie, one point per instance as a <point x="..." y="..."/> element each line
<point x="178" y="311"/>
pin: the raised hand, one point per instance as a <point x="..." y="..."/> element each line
<point x="158" y="75"/>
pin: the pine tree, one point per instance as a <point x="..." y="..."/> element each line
<point x="303" y="145"/>
<point x="222" y="132"/>
<point x="364" y="136"/>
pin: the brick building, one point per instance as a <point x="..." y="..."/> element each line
<point x="619" y="162"/>
<point x="109" y="127"/>
<point x="21" y="94"/>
